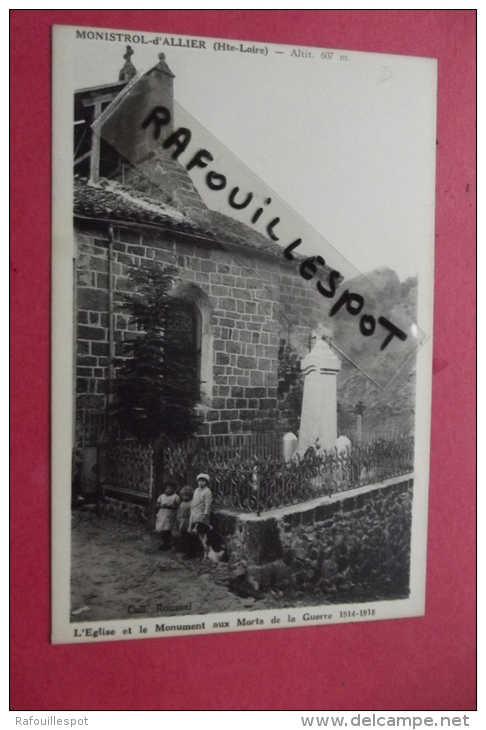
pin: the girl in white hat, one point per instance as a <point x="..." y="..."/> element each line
<point x="201" y="502"/>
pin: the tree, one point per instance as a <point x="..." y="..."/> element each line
<point x="154" y="390"/>
<point x="290" y="387"/>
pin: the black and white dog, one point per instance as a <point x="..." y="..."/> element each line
<point x="212" y="543"/>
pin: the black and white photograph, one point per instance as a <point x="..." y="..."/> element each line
<point x="242" y="317"/>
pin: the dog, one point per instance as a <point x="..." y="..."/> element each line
<point x="212" y="543"/>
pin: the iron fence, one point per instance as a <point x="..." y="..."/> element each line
<point x="248" y="472"/>
<point x="127" y="466"/>
<point x="262" y="483"/>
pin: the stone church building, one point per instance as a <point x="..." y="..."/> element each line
<point x="240" y="303"/>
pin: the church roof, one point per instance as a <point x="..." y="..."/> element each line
<point x="230" y="231"/>
<point x="111" y="201"/>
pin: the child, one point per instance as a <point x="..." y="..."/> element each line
<point x="201" y="502"/>
<point x="199" y="519"/>
<point x="183" y="517"/>
<point x="168" y="503"/>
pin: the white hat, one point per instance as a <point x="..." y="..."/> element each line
<point x="203" y="476"/>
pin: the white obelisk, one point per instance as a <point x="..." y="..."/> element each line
<point x="319" y="404"/>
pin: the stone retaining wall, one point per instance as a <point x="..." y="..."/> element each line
<point x="352" y="547"/>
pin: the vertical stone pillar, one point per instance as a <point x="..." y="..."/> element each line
<point x="289" y="445"/>
<point x="319" y="404"/>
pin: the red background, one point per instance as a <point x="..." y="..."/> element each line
<point x="421" y="663"/>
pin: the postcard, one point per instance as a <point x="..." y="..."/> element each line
<point x="242" y="300"/>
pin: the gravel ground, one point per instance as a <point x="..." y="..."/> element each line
<point x="118" y="572"/>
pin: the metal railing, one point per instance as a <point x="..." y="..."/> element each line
<point x="258" y="484"/>
<point x="127" y="466"/>
<point x="243" y="477"/>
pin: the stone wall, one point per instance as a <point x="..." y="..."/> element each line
<point x="351" y="547"/>
<point x="253" y="301"/>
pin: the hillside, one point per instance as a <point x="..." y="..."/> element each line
<point x="387" y="412"/>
